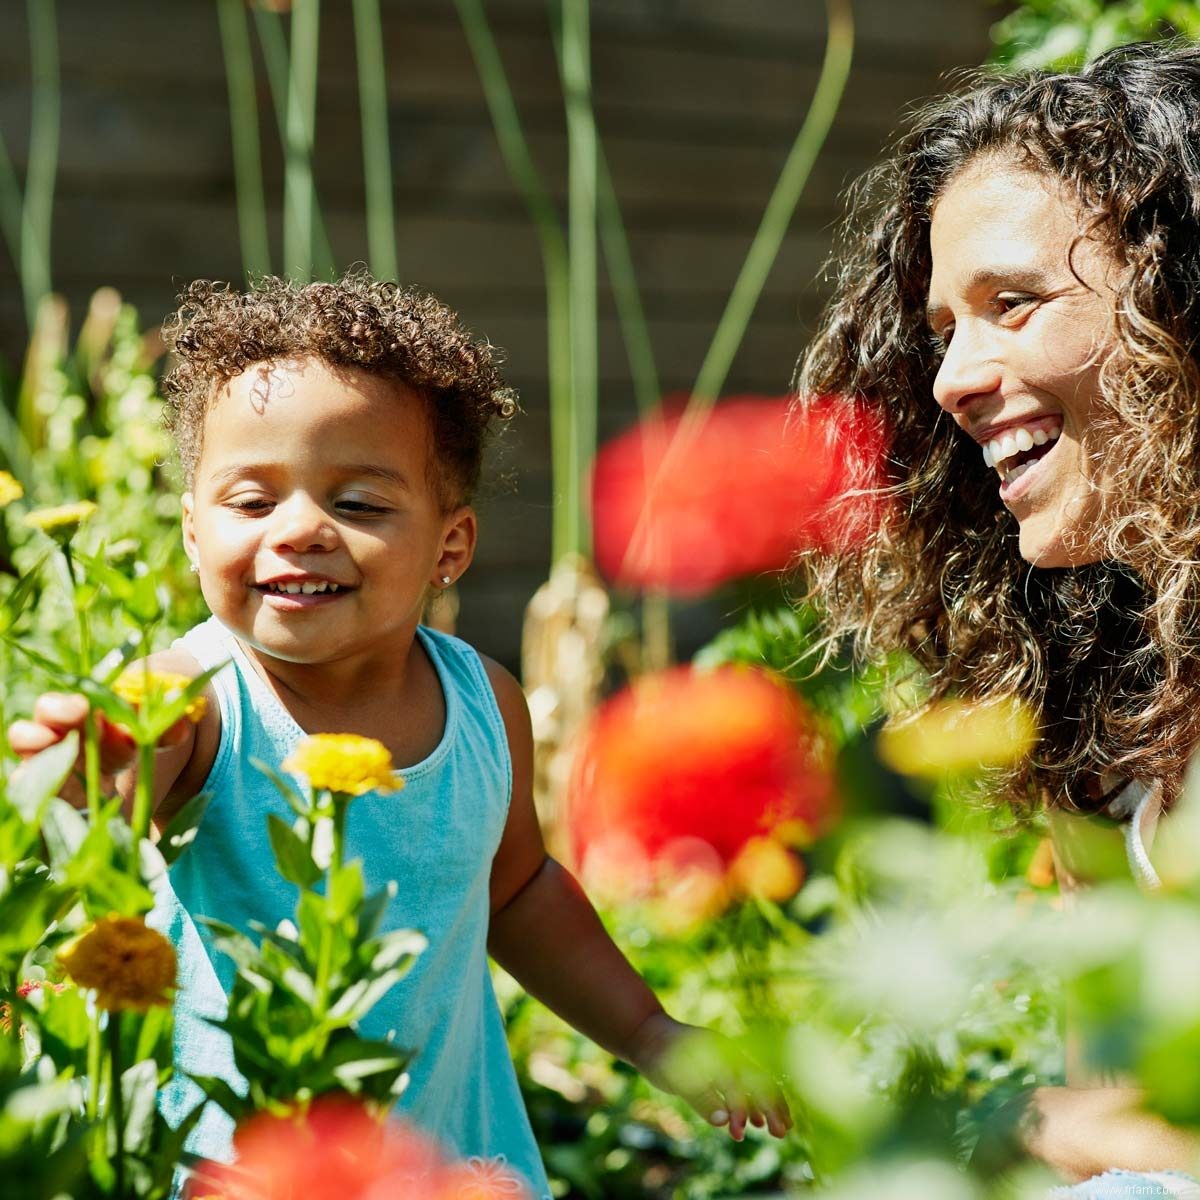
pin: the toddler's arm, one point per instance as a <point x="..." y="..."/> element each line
<point x="545" y="933"/>
<point x="185" y="752"/>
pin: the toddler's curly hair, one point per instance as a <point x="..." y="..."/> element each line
<point x="401" y="333"/>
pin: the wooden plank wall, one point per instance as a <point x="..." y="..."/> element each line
<point x="697" y="102"/>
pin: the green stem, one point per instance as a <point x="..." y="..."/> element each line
<point x="243" y="123"/>
<point x="143" y="804"/>
<point x="94" y="1070"/>
<point x="298" y="195"/>
<point x="11" y="205"/>
<point x="835" y="70"/>
<point x="626" y="295"/>
<point x="519" y="161"/>
<point x="91" y="764"/>
<point x="278" y="64"/>
<point x="117" y="1094"/>
<point x="839" y="50"/>
<point x="43" y="155"/>
<point x="377" y="154"/>
<point x="581" y="240"/>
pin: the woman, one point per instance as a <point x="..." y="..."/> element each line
<point x="1022" y="314"/>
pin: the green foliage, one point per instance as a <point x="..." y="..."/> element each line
<point x="1060" y="35"/>
<point x="301" y="989"/>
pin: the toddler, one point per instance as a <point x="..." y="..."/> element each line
<point x="331" y="436"/>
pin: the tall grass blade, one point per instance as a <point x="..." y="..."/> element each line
<point x="247" y="150"/>
<point x="377" y="149"/>
<point x="43" y="155"/>
<point x="517" y="158"/>
<point x="298" y="190"/>
<point x="277" y="59"/>
<point x="581" y="242"/>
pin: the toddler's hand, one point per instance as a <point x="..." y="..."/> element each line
<point x="712" y="1075"/>
<point x="55" y="714"/>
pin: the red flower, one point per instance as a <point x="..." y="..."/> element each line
<point x="684" y="507"/>
<point x="338" y="1151"/>
<point x="685" y="773"/>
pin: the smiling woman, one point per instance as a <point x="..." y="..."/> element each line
<point x="1018" y="303"/>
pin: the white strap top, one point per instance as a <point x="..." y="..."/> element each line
<point x="1139" y="805"/>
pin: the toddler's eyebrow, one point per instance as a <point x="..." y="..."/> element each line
<point x="370" y="470"/>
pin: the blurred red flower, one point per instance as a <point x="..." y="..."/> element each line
<point x="683" y="507"/>
<point x="682" y="776"/>
<point x="338" y="1150"/>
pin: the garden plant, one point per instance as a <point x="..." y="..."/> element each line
<point x="783" y="855"/>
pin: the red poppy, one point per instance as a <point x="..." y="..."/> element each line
<point x="338" y="1151"/>
<point x="683" y="506"/>
<point x="683" y="774"/>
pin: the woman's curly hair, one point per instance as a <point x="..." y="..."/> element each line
<point x="1107" y="654"/>
<point x="217" y="332"/>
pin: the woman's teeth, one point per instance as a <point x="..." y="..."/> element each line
<point x="296" y="589"/>
<point x="1000" y="451"/>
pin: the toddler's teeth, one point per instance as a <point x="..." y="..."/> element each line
<point x="308" y="588"/>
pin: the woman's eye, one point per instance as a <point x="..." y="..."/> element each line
<point x="1011" y="303"/>
<point x="941" y="338"/>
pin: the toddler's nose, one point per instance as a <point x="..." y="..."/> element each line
<point x="301" y="525"/>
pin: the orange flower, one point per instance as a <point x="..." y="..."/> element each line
<point x="337" y="1150"/>
<point x="685" y="774"/>
<point x="686" y="507"/>
<point x="130" y="965"/>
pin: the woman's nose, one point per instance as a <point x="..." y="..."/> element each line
<point x="300" y="524"/>
<point x="969" y="369"/>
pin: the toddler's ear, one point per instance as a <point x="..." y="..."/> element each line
<point x="187" y="503"/>
<point x="459" y="534"/>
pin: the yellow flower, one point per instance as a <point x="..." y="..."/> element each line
<point x="344" y="762"/>
<point x="134" y="685"/>
<point x="960" y="736"/>
<point x="61" y="522"/>
<point x="10" y="489"/>
<point x="130" y="965"/>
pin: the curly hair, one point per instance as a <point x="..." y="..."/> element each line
<point x="1106" y="654"/>
<point x="401" y="333"/>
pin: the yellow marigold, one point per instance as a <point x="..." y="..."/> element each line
<point x="134" y="685"/>
<point x="63" y="521"/>
<point x="130" y="965"/>
<point x="960" y="735"/>
<point x="344" y="762"/>
<point x="10" y="489"/>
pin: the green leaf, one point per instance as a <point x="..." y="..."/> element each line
<point x="297" y="803"/>
<point x="40" y="778"/>
<point x="294" y="861"/>
<point x="371" y="913"/>
<point x="139" y="1086"/>
<point x="221" y="1094"/>
<point x="15" y="603"/>
<point x="397" y="945"/>
<point x="360" y="997"/>
<point x="26" y="910"/>
<point x="346" y="890"/>
<point x="181" y="831"/>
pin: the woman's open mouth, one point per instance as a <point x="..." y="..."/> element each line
<point x="1018" y="452"/>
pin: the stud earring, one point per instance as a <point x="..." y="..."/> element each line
<point x="445" y="581"/>
<point x="194" y="568"/>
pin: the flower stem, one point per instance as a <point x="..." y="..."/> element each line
<point x="91" y="763"/>
<point x="117" y="1097"/>
<point x="143" y="802"/>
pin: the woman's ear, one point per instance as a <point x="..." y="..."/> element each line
<point x="458" y="546"/>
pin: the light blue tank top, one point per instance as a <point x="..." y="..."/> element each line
<point x="436" y="839"/>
